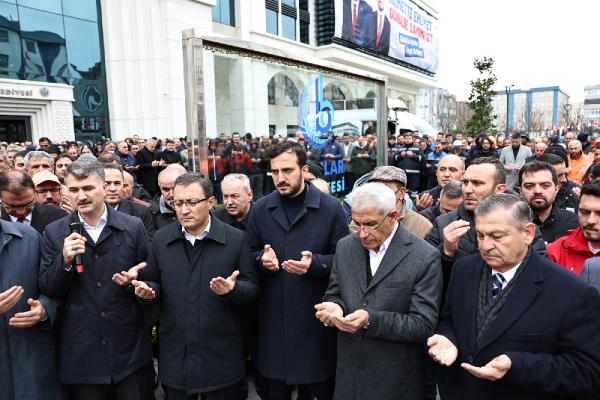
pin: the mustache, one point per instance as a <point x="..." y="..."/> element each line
<point x="492" y="252"/>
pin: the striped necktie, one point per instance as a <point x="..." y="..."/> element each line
<point x="497" y="282"/>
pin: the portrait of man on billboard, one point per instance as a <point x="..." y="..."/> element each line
<point x="358" y="18"/>
<point x="382" y="28"/>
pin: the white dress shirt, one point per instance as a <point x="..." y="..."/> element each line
<point x="95" y="231"/>
<point x="508" y="275"/>
<point x="192" y="238"/>
<point x="376" y="257"/>
<point x="27" y="219"/>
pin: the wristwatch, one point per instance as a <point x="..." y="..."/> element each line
<point x="366" y="326"/>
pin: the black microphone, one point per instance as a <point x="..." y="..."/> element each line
<point x="75" y="227"/>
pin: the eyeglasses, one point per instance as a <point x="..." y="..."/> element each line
<point x="370" y="227"/>
<point x="8" y="206"/>
<point x="46" y="191"/>
<point x="191" y="203"/>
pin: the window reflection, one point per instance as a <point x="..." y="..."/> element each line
<point x="53" y="6"/>
<point x="84" y="9"/>
<point x="44" y="55"/>
<point x="288" y="27"/>
<point x="10" y="43"/>
<point x="272" y="22"/>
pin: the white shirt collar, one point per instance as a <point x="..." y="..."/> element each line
<point x="102" y="221"/>
<point x="27" y="217"/>
<point x="508" y="275"/>
<point x="192" y="238"/>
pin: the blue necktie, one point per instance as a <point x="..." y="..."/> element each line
<point x="497" y="282"/>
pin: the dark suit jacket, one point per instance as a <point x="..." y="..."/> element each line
<point x="137" y="210"/>
<point x="548" y="327"/>
<point x="286" y="304"/>
<point x="365" y="32"/>
<point x="41" y="216"/>
<point x="402" y="299"/>
<point x="103" y="337"/>
<point x="383" y="46"/>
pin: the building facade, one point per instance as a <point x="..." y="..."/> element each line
<point x="58" y="42"/>
<point x="531" y="110"/>
<point x="439" y="108"/>
<point x="591" y="107"/>
<point x="124" y="60"/>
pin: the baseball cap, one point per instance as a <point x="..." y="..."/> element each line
<point x="44" y="176"/>
<point x="388" y="173"/>
<point x="457" y="143"/>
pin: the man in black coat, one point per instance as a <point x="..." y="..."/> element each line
<point x="507" y="330"/>
<point x="199" y="268"/>
<point x="453" y="234"/>
<point x="113" y="178"/>
<point x="539" y="186"/>
<point x="104" y="345"/>
<point x="293" y="233"/>
<point x="162" y="210"/>
<point x="19" y="202"/>
<point x="148" y="167"/>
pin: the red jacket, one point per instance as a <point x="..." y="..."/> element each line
<point x="570" y="251"/>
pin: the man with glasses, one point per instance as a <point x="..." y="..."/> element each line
<point x="199" y="268"/>
<point x="19" y="203"/>
<point x="384" y="295"/>
<point x="48" y="190"/>
<point x="395" y="178"/>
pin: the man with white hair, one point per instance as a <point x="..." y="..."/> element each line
<point x="162" y="209"/>
<point x="383" y="296"/>
<point x="36" y="161"/>
<point x="237" y="201"/>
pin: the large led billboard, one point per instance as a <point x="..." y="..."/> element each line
<point x="396" y="28"/>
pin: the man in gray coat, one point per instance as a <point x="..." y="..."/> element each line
<point x="384" y="294"/>
<point x="513" y="157"/>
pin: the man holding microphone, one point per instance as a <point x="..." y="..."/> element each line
<point x="104" y="345"/>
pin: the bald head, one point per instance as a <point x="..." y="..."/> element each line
<point x="450" y="168"/>
<point x="166" y="181"/>
<point x="540" y="148"/>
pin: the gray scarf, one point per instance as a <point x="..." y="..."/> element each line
<point x="488" y="306"/>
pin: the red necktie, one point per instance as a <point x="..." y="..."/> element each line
<point x="354" y="16"/>
<point x="379" y="30"/>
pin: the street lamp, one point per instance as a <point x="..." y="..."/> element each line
<point x="568" y="108"/>
<point x="507" y="89"/>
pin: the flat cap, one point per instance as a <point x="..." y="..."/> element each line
<point x="387" y="173"/>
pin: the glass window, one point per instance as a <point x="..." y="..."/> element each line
<point x="289" y="2"/>
<point x="84" y="9"/>
<point x="83" y="44"/>
<point x="288" y="27"/>
<point x="272" y="22"/>
<point x="304" y="32"/>
<point x="224" y="12"/>
<point x="303" y="5"/>
<point x="53" y="6"/>
<point x="43" y="35"/>
<point x="3" y="36"/>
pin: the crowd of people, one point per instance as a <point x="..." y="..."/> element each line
<point x="465" y="267"/>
